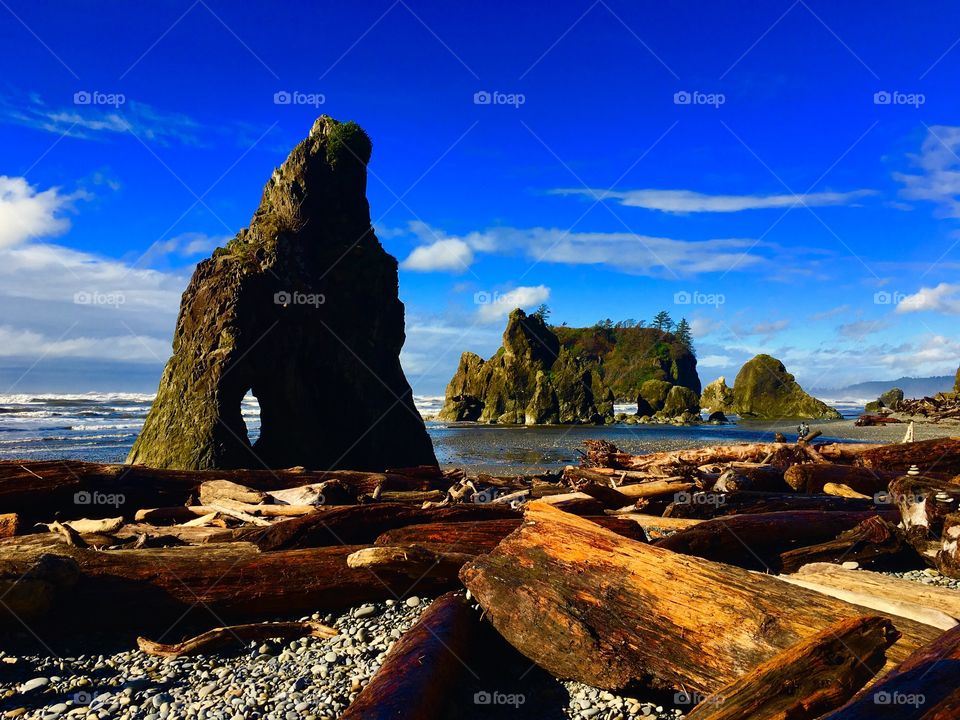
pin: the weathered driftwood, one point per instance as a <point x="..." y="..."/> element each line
<point x="924" y="503"/>
<point x="871" y="539"/>
<point x="38" y="490"/>
<point x="215" y="491"/>
<point x="689" y="623"/>
<point x="751" y="475"/>
<point x="475" y="537"/>
<point x="361" y="524"/>
<point x="705" y="505"/>
<point x="757" y="542"/>
<point x="948" y="557"/>
<point x="420" y="670"/>
<point x="185" y="534"/>
<point x="9" y="524"/>
<point x="889" y="606"/>
<point x="883" y="586"/>
<point x="841" y="490"/>
<point x="222" y="637"/>
<point x="234" y="580"/>
<point x="941" y="455"/>
<point x="925" y="686"/>
<point x="811" y="477"/>
<point x="411" y="560"/>
<point x="814" y="676"/>
<point x="656" y="522"/>
<point x="30" y="587"/>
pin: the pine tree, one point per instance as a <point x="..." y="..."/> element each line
<point x="662" y="321"/>
<point x="542" y="312"/>
<point x="683" y="334"/>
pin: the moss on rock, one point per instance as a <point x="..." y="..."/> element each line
<point x="765" y="390"/>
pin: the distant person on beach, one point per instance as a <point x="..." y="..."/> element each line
<point x="803" y="430"/>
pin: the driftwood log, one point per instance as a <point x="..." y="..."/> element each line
<point x="924" y="504"/>
<point x="925" y="686"/>
<point x="811" y="477"/>
<point x="39" y="490"/>
<point x="550" y="586"/>
<point x="941" y="455"/>
<point x="222" y="637"/>
<point x="814" y="676"/>
<point x="705" y="505"/>
<point x="870" y="540"/>
<point x="757" y="542"/>
<point x="419" y="672"/>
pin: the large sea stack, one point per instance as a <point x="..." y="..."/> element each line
<point x="302" y="309"/>
<point x="562" y="375"/>
<point x="765" y="390"/>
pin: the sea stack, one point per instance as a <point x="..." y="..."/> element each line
<point x="765" y="390"/>
<point x="302" y="308"/>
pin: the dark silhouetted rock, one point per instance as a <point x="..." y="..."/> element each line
<point x="891" y="398"/>
<point x="717" y="417"/>
<point x="765" y="390"/>
<point x="302" y="309"/>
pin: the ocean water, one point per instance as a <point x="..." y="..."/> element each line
<point x="102" y="427"/>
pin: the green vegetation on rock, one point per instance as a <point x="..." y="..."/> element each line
<point x="557" y="374"/>
<point x="765" y="390"/>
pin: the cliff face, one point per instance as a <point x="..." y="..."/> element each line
<point x="544" y="375"/>
<point x="765" y="390"/>
<point x="302" y="309"/>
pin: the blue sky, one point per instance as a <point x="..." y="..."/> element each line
<point x="785" y="174"/>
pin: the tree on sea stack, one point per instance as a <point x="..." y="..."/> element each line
<point x="663" y="321"/>
<point x="301" y="308"/>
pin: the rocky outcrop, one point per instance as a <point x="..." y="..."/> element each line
<point x="765" y="390"/>
<point x="302" y="309"/>
<point x="717" y="397"/>
<point x="890" y="400"/>
<point x="531" y="380"/>
<point x="956" y="383"/>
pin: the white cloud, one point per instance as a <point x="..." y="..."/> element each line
<point x="858" y="330"/>
<point x="689" y="201"/>
<point x="939" y="178"/>
<point x="770" y="328"/>
<point x="495" y="306"/>
<point x="450" y="254"/>
<point x="26" y="214"/>
<point x="944" y="298"/>
<point x="128" y="347"/>
<point x="712" y="361"/>
<point x="186" y="245"/>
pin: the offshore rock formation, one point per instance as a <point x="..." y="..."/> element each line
<point x="956" y="383"/>
<point x="530" y="380"/>
<point x="765" y="390"/>
<point x="717" y="397"/>
<point x="550" y="375"/>
<point x="302" y="309"/>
